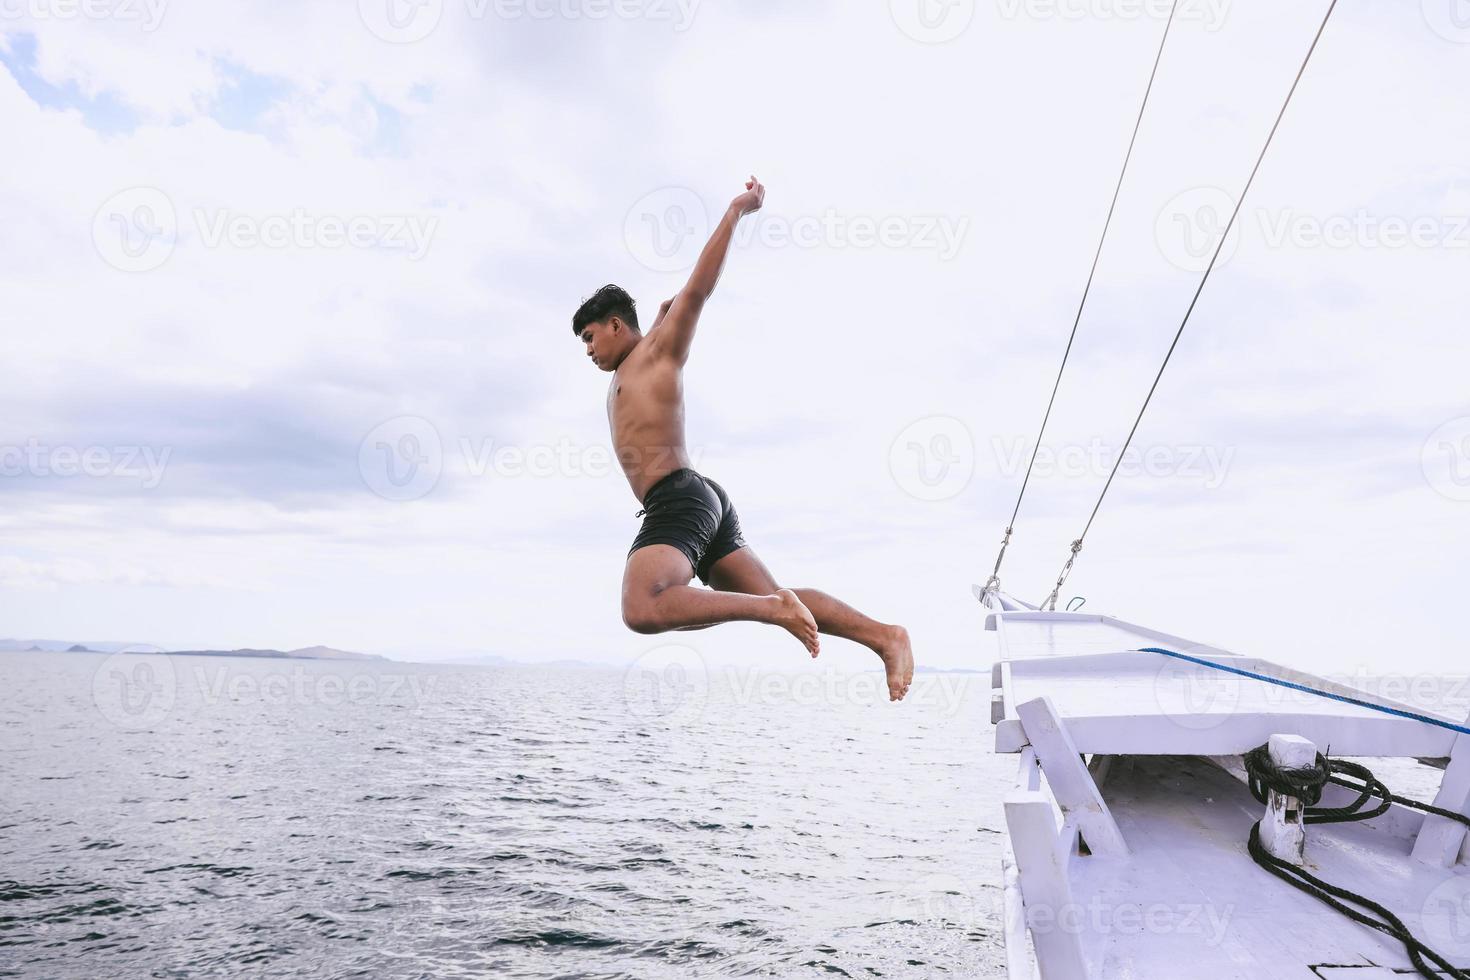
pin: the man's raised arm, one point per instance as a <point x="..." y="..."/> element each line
<point x="673" y="332"/>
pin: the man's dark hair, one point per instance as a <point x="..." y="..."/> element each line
<point x="609" y="301"/>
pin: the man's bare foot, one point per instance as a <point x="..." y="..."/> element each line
<point x="794" y="617"/>
<point x="898" y="661"/>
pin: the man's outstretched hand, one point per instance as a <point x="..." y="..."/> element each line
<point x="752" y="199"/>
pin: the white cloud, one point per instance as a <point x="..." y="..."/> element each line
<point x="1319" y="371"/>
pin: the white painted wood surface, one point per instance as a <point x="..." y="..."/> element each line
<point x="1440" y="840"/>
<point x="1122" y="701"/>
<point x="1045" y="889"/>
<point x="1071" y="784"/>
<point x="1020" y="961"/>
<point x="1148" y="720"/>
<point x="1211" y="907"/>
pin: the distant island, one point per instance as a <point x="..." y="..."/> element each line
<point x="305" y="653"/>
<point x="331" y="653"/>
<point x="67" y="646"/>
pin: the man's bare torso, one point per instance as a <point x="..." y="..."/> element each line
<point x="645" y="410"/>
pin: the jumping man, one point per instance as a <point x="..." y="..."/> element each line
<point x="689" y="525"/>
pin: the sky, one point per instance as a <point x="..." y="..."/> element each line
<point x="288" y="292"/>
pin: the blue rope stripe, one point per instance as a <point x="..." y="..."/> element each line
<point x="1412" y="716"/>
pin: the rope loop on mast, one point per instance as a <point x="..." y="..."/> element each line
<point x="992" y="584"/>
<point x="1051" y="602"/>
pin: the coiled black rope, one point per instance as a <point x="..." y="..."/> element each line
<point x="1306" y="784"/>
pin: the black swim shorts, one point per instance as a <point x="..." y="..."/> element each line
<point x="693" y="514"/>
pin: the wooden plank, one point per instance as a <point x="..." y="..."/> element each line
<point x="1020" y="964"/>
<point x="1010" y="736"/>
<point x="1271" y="669"/>
<point x="1069" y="779"/>
<point x="1138" y="683"/>
<point x="1045" y="891"/>
<point x="1440" y="839"/>
<point x="1080" y="630"/>
<point x="1007" y="686"/>
<point x="1030" y="772"/>
<point x="1236" y="734"/>
<point x="1169" y="641"/>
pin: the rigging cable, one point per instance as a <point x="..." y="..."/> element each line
<point x="1051" y="602"/>
<point x="993" y="583"/>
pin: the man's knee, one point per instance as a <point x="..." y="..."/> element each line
<point x="640" y="617"/>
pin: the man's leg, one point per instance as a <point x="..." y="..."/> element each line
<point x="743" y="571"/>
<point x="657" y="597"/>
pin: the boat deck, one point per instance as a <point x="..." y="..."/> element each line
<point x="1119" y="699"/>
<point x="1189" y="901"/>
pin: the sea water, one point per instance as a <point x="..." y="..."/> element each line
<point x="197" y="816"/>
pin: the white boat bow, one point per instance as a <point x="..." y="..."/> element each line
<point x="1129" y="823"/>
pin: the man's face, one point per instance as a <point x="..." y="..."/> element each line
<point x="600" y="339"/>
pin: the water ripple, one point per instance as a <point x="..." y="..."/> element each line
<point x="495" y="822"/>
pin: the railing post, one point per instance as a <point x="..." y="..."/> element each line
<point x="1439" y="840"/>
<point x="1046" y="892"/>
